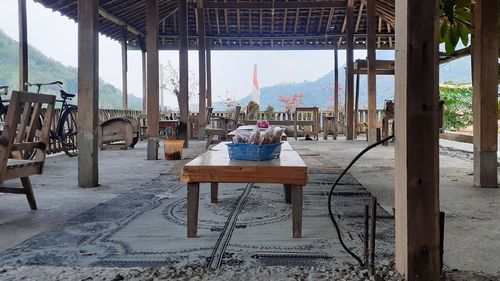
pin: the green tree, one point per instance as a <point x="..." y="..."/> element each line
<point x="457" y="106"/>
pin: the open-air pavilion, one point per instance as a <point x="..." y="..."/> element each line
<point x="408" y="27"/>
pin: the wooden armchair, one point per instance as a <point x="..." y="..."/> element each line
<point x="18" y="136"/>
<point x="221" y="126"/>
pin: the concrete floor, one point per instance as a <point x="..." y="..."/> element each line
<point x="472" y="215"/>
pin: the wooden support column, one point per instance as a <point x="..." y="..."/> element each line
<point x="336" y="93"/>
<point x="350" y="70"/>
<point x="485" y="82"/>
<point x="88" y="92"/>
<point x="23" y="45"/>
<point x="153" y="79"/>
<point x="209" y="74"/>
<point x="416" y="147"/>
<point x="183" y="72"/>
<point x="202" y="69"/>
<point x="142" y="45"/>
<point x="124" y="68"/>
<point x="356" y="106"/>
<point x="372" y="68"/>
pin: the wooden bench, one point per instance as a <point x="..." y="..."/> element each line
<point x="20" y="137"/>
<point x="214" y="166"/>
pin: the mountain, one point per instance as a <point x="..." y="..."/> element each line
<point x="44" y="69"/>
<point x="319" y="93"/>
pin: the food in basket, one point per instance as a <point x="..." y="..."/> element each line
<point x="257" y="137"/>
<point x="262" y="124"/>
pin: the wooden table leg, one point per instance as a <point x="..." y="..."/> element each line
<point x="296" y="191"/>
<point x="286" y="192"/>
<point x="214" y="192"/>
<point x="193" y="196"/>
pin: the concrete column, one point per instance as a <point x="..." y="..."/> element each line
<point x="485" y="82"/>
<point x="417" y="140"/>
<point x="88" y="92"/>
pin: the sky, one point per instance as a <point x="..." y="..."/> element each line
<point x="232" y="71"/>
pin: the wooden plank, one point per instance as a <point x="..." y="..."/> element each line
<point x="356" y="106"/>
<point x="296" y="191"/>
<point x="153" y="68"/>
<point x="485" y="110"/>
<point x="372" y="68"/>
<point x="183" y="72"/>
<point x="88" y="92"/>
<point x="215" y="166"/>
<point x="23" y="45"/>
<point x="202" y="70"/>
<point x="124" y="68"/>
<point x="336" y="93"/>
<point x="105" y="14"/>
<point x="144" y="82"/>
<point x="350" y="71"/>
<point x="417" y="143"/>
<point x="193" y="198"/>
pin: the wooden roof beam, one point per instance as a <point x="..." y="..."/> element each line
<point x="275" y="5"/>
<point x="358" y="20"/>
<point x="105" y="14"/>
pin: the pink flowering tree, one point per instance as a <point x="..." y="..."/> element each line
<point x="331" y="100"/>
<point x="291" y="102"/>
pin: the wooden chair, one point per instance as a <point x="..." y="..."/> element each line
<point x="221" y="126"/>
<point x="19" y="135"/>
<point x="309" y="127"/>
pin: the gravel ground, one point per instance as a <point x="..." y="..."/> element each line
<point x="384" y="271"/>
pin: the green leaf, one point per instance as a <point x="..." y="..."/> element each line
<point x="453" y="34"/>
<point x="463" y="3"/>
<point x="463" y="32"/>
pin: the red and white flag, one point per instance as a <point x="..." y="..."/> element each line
<point x="255" y="91"/>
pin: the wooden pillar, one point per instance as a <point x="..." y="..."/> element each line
<point x="183" y="72"/>
<point x="209" y="74"/>
<point x="350" y="70"/>
<point x="485" y="82"/>
<point x="153" y="82"/>
<point x="417" y="142"/>
<point x="124" y="68"/>
<point x="88" y="92"/>
<point x="336" y="93"/>
<point x="23" y="45"/>
<point x="202" y="69"/>
<point x="356" y="106"/>
<point x="372" y="75"/>
<point x="142" y="45"/>
<point x="144" y="82"/>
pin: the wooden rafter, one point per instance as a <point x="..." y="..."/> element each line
<point x="358" y="20"/>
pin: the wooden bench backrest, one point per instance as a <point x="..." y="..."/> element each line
<point x="20" y="128"/>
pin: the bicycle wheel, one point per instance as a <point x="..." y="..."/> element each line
<point x="68" y="132"/>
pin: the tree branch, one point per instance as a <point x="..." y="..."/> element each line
<point x="444" y="58"/>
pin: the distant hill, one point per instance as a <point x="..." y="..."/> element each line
<point x="44" y="69"/>
<point x="317" y="93"/>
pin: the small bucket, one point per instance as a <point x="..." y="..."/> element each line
<point x="173" y="149"/>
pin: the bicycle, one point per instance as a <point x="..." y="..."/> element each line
<point x="66" y="130"/>
<point x="3" y="108"/>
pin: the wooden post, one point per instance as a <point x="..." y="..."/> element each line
<point x="153" y="82"/>
<point x="416" y="146"/>
<point x="183" y="72"/>
<point x="202" y="69"/>
<point x="372" y="75"/>
<point x="209" y="74"/>
<point x="142" y="45"/>
<point x="336" y="93"/>
<point x="485" y="82"/>
<point x="124" y="68"/>
<point x="88" y="92"/>
<point x="23" y="45"/>
<point x="350" y="70"/>
<point x="356" y="106"/>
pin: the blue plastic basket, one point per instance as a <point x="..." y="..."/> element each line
<point x="252" y="152"/>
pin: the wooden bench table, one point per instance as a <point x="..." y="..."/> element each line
<point x="214" y="166"/>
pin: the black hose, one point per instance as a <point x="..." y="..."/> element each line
<point x="339" y="235"/>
